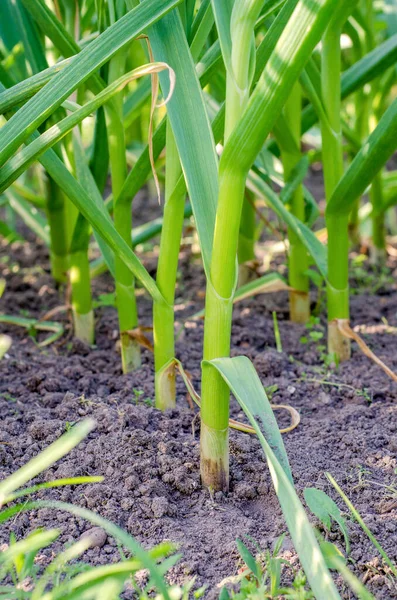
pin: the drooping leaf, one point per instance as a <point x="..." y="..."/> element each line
<point x="239" y="373"/>
<point x="239" y="378"/>
<point x="190" y="126"/>
<point x="41" y="106"/>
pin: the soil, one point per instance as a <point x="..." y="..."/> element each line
<point x="150" y="460"/>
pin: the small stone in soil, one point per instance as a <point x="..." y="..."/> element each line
<point x="97" y="536"/>
<point x="159" y="507"/>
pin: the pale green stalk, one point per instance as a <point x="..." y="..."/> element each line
<point x="337" y="225"/>
<point x="361" y="109"/>
<point x="246" y="240"/>
<point x="237" y="95"/>
<point x="125" y="288"/>
<point x="167" y="267"/>
<point x="293" y="48"/>
<point x="59" y="239"/>
<point x="222" y="283"/>
<point x="378" y="250"/>
<point x="83" y="315"/>
<point x="299" y="300"/>
<point x="79" y="267"/>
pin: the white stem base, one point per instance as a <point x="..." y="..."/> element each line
<point x="130" y="353"/>
<point x="299" y="307"/>
<point x="338" y="344"/>
<point x="214" y="458"/>
<point x="84" y="326"/>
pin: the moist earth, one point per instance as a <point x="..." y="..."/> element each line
<point x="150" y="460"/>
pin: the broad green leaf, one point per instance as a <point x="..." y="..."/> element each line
<point x="298" y="39"/>
<point x="205" y="21"/>
<point x="363" y="71"/>
<point x="41" y="106"/>
<point x="190" y="125"/>
<point x="139" y="235"/>
<point x="45" y="459"/>
<point x="11" y="44"/>
<point x="222" y="10"/>
<point x="51" y="27"/>
<point x="27" y="88"/>
<point x="29" y="36"/>
<point x="204" y="68"/>
<point x="373" y="155"/>
<point x="97" y="216"/>
<point x="21" y="161"/>
<point x="242" y="377"/>
<point x="142" y="168"/>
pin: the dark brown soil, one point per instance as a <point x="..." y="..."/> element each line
<point x="151" y="460"/>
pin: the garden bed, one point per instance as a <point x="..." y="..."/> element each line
<point x="150" y="460"/>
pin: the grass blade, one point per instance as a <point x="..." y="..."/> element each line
<point x="46" y="458"/>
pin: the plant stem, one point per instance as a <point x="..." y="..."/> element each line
<point x="217" y="330"/>
<point x="337" y="226"/>
<point x="299" y="301"/>
<point x="237" y="96"/>
<point x="378" y="251"/>
<point x="83" y="315"/>
<point x="214" y="440"/>
<point x="167" y="267"/>
<point x="59" y="248"/>
<point x="246" y="240"/>
<point x="125" y="289"/>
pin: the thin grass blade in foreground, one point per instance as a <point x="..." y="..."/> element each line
<point x="364" y="527"/>
<point x="126" y="540"/>
<point x="48" y="457"/>
<point x="251" y="396"/>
